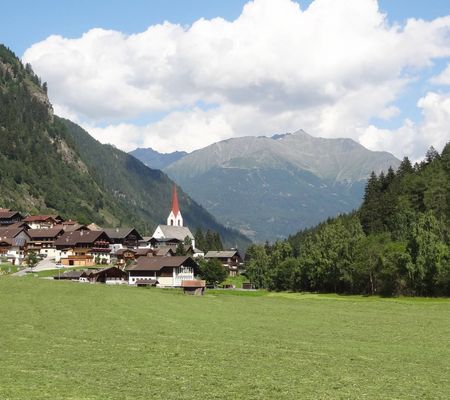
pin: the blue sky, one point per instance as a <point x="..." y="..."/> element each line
<point x="127" y="124"/>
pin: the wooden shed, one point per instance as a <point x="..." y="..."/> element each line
<point x="195" y="287"/>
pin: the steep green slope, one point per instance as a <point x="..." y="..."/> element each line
<point x="269" y="188"/>
<point x="48" y="164"/>
<point x="143" y="191"/>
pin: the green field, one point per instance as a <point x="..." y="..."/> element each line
<point x="65" y="340"/>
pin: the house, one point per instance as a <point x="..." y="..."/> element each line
<point x="83" y="248"/>
<point x="70" y="226"/>
<point x="145" y="242"/>
<point x="42" y="221"/>
<point x="231" y="259"/>
<point x="13" y="244"/>
<point x="196" y="287"/>
<point x="174" y="230"/>
<point x="9" y="217"/>
<point x="124" y="256"/>
<point x="20" y="224"/>
<point x="109" y="275"/>
<point x="144" y="252"/>
<point x="164" y="242"/>
<point x="42" y="241"/>
<point x="124" y="238"/>
<point x="192" y="251"/>
<point x="168" y="271"/>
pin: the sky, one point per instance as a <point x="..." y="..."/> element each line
<point x="180" y="75"/>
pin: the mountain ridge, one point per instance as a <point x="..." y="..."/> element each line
<point x="270" y="187"/>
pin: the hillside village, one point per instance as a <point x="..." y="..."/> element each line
<point x="168" y="258"/>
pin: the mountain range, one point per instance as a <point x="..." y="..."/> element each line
<point x="51" y="165"/>
<point x="270" y="187"/>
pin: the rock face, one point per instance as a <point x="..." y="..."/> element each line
<point x="270" y="187"/>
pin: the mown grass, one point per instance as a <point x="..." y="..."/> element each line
<point x="64" y="340"/>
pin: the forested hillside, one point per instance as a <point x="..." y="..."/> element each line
<point x="48" y="164"/>
<point x="397" y="243"/>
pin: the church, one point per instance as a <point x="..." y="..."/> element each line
<point x="174" y="228"/>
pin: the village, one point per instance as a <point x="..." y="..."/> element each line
<point x="113" y="256"/>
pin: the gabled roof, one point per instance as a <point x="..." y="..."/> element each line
<point x="19" y="224"/>
<point x="122" y="233"/>
<point x="79" y="237"/>
<point x="158" y="263"/>
<point x="6" y="213"/>
<point x="119" y="252"/>
<point x="10" y="232"/>
<point x="71" y="227"/>
<point x="222" y="254"/>
<point x="193" y="284"/>
<point x="175" y="232"/>
<point x="41" y="218"/>
<point x="143" y="252"/>
<point x="163" y="251"/>
<point x="51" y="233"/>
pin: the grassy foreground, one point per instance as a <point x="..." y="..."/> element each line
<point x="64" y="340"/>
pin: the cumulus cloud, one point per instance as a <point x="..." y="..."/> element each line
<point x="328" y="69"/>
<point x="411" y="138"/>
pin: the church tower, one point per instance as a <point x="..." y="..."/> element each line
<point x="175" y="218"/>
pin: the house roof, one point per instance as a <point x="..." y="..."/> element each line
<point x="76" y="237"/>
<point x="71" y="227"/>
<point x="45" y="233"/>
<point x="122" y="233"/>
<point x="70" y="274"/>
<point x="119" y="252"/>
<point x="175" y="206"/>
<point x="163" y="250"/>
<point x="6" y="213"/>
<point x="38" y="218"/>
<point x="94" y="227"/>
<point x="195" y="283"/>
<point x="158" y="263"/>
<point x="222" y="254"/>
<point x="19" y="224"/>
<point x="8" y="232"/>
<point x="176" y="232"/>
<point x="143" y="252"/>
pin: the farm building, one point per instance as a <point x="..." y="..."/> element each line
<point x="168" y="271"/>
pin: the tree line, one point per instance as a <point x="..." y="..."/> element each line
<point x="397" y="243"/>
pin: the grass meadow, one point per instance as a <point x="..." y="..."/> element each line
<point x="65" y="340"/>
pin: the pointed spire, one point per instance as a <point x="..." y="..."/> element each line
<point x="175" y="206"/>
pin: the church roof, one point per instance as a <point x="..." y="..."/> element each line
<point x="176" y="232"/>
<point x="175" y="206"/>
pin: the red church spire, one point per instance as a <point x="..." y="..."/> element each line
<point x="175" y="206"/>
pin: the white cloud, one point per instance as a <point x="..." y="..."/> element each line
<point x="412" y="139"/>
<point x="328" y="69"/>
